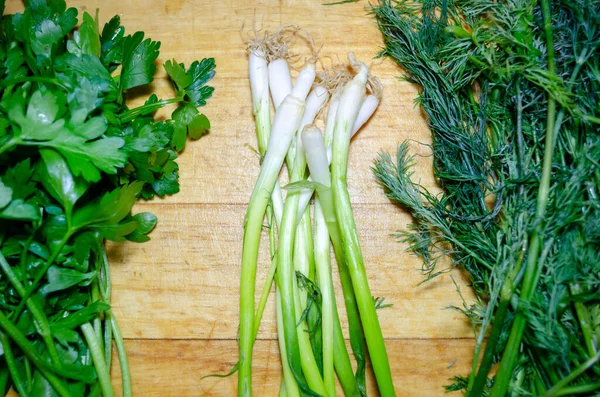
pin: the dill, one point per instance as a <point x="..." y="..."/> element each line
<point x="511" y="92"/>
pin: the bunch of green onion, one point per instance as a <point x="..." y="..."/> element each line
<point x="312" y="345"/>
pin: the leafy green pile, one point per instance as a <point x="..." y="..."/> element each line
<point x="511" y="91"/>
<point x="73" y="161"/>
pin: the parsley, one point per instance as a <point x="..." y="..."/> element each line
<point x="74" y="159"/>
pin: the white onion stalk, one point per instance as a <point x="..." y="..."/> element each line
<point x="287" y="120"/>
<point x="349" y="106"/>
<point x="259" y="84"/>
<point x="294" y="244"/>
<point x="367" y="108"/>
<point x="316" y="158"/>
<point x="314" y="103"/>
<point x="280" y="81"/>
<point x="262" y="79"/>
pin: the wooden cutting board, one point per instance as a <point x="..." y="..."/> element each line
<point x="176" y="297"/>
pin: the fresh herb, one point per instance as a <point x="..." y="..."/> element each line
<point x="511" y="91"/>
<point x="74" y="159"/>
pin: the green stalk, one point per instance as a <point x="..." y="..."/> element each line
<point x="286" y="278"/>
<point x="36" y="79"/>
<point x="528" y="288"/>
<point x="123" y="361"/>
<point x="38" y="314"/>
<point x="316" y="157"/>
<point x="282" y="390"/>
<point x="289" y="385"/>
<point x="4" y="375"/>
<point x="572" y="376"/>
<point x="12" y="366"/>
<point x="105" y="291"/>
<point x="40" y="274"/>
<point x="585" y="322"/>
<point x="262" y="303"/>
<point x="98" y="359"/>
<point x="30" y="351"/>
<point x="146" y="109"/>
<point x="352" y="251"/>
<point x="357" y="342"/>
<point x="310" y="344"/>
<point x="108" y="339"/>
<point x="323" y="264"/>
<point x="307" y="358"/>
<point x="341" y="360"/>
<point x="97" y="322"/>
<point x="28" y="374"/>
<point x="578" y="389"/>
<point x="288" y="119"/>
<point x="508" y="289"/>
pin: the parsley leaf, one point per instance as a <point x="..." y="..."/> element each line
<point x="138" y="61"/>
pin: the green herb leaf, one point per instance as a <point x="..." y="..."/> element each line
<point x="145" y="223"/>
<point x="89" y="36"/>
<point x="112" y="43"/>
<point x="138" y="61"/>
<point x="58" y="179"/>
<point x="62" y="278"/>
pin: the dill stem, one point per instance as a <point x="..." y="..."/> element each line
<point x="572" y="376"/>
<point x="511" y="352"/>
<point x="578" y="389"/>
<point x="585" y="323"/>
<point x="490" y="349"/>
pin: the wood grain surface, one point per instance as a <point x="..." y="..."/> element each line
<point x="176" y="297"/>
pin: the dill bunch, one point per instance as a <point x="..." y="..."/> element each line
<point x="511" y="92"/>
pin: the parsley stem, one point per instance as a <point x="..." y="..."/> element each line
<point x="146" y="109"/>
<point x="123" y="361"/>
<point x="4" y="375"/>
<point x="12" y="366"/>
<point x="40" y="274"/>
<point x="98" y="358"/>
<point x="47" y="369"/>
<point x="105" y="292"/>
<point x="9" y="145"/>
<point x="36" y="311"/>
<point x="36" y="79"/>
